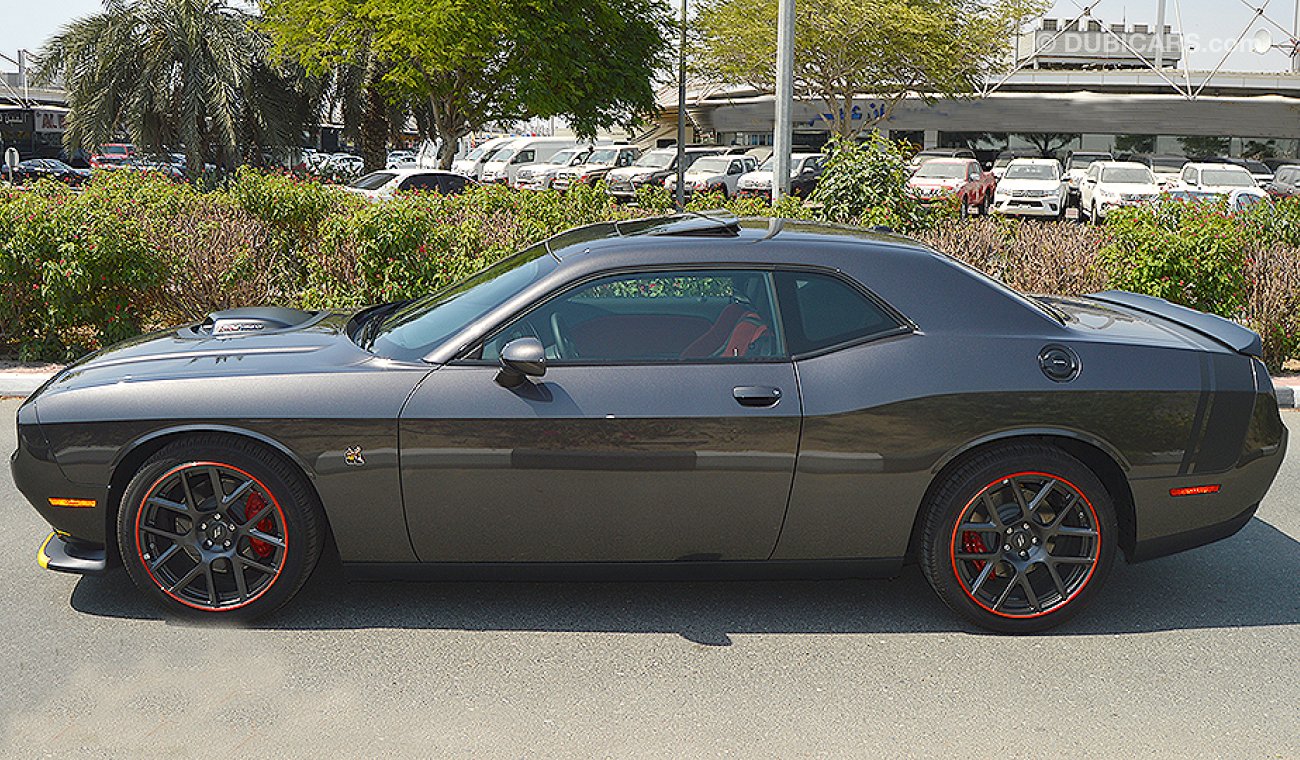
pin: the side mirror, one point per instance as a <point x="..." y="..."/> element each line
<point x="521" y="358"/>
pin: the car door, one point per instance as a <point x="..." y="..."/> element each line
<point x="665" y="428"/>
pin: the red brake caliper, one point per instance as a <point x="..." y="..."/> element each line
<point x="971" y="543"/>
<point x="254" y="506"/>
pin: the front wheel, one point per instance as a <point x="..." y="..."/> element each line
<point x="1019" y="538"/>
<point x="219" y="527"/>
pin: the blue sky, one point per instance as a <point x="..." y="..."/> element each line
<point x="1216" y="22"/>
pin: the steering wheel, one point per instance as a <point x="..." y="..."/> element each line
<point x="565" y="347"/>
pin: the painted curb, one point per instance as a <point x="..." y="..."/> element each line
<point x="21" y="384"/>
<point x="1286" y="396"/>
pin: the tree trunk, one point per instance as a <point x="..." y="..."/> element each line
<point x="372" y="135"/>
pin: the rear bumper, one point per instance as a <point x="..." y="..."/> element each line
<point x="1169" y="524"/>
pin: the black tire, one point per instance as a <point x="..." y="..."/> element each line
<point x="1048" y="567"/>
<point x="252" y="553"/>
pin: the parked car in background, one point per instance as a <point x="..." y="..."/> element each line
<point x="1286" y="181"/>
<point x="1111" y="184"/>
<point x="387" y="183"/>
<point x="1275" y="163"/>
<point x="933" y="153"/>
<point x="603" y="160"/>
<point x="1005" y="158"/>
<point x="1167" y="169"/>
<point x="805" y="171"/>
<point x="538" y="176"/>
<point x="1258" y="169"/>
<point x="1215" y="177"/>
<point x="1244" y="197"/>
<point x="112" y="155"/>
<point x="653" y="168"/>
<point x="35" y="169"/>
<point x="401" y="159"/>
<point x="1076" y="166"/>
<point x="1032" y="187"/>
<point x="342" y="166"/>
<point x="942" y="178"/>
<point x="504" y="165"/>
<point x="1189" y="196"/>
<point x="714" y="174"/>
<point x="472" y="164"/>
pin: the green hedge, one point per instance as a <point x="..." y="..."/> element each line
<point x="134" y="252"/>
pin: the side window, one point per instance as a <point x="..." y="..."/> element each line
<point x="655" y="317"/>
<point x="449" y="184"/>
<point x="820" y="311"/>
<point x="420" y="182"/>
<point x="734" y="167"/>
<point x="1189" y="176"/>
<point x="627" y="158"/>
<point x="524" y="157"/>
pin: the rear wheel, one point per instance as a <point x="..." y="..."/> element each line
<point x="218" y="527"/>
<point x="1018" y="538"/>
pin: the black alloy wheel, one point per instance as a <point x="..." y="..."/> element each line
<point x="1017" y="539"/>
<point x="214" y="525"/>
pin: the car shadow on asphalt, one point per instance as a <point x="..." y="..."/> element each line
<point x="1248" y="580"/>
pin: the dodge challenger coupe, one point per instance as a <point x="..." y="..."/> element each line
<point x="678" y="397"/>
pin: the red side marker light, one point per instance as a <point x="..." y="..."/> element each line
<point x="1194" y="490"/>
<point x="81" y="503"/>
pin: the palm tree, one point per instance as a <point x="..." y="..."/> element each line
<point x="176" y="72"/>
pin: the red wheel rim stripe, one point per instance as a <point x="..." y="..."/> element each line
<point x="145" y="564"/>
<point x="952" y="545"/>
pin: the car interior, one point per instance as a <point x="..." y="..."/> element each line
<point x="664" y="316"/>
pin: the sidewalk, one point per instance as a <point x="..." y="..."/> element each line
<point x="22" y="382"/>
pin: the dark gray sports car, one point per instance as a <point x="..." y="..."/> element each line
<point x="684" y="396"/>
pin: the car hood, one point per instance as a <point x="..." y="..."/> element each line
<point x="633" y="172"/>
<point x="585" y="169"/>
<point x="292" y="342"/>
<point x="703" y="176"/>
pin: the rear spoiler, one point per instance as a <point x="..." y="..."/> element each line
<point x="1227" y="332"/>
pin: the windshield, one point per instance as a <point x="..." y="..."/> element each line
<point x="1084" y="160"/>
<point x="480" y="152"/>
<point x="1032" y="171"/>
<point x="373" y="181"/>
<point x="657" y="159"/>
<point x="605" y="156"/>
<point x="711" y="165"/>
<point x="942" y="170"/>
<point x="1257" y="167"/>
<point x="1227" y="178"/>
<point x="565" y="157"/>
<point x="1003" y="161"/>
<point x="413" y="331"/>
<point x="1131" y="175"/>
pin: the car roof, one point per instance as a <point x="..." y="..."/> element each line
<point x="951" y="160"/>
<point x="1215" y="165"/>
<point x="1121" y="164"/>
<point x="1034" y="162"/>
<point x="412" y="171"/>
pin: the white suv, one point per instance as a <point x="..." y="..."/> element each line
<point x="1032" y="187"/>
<point x="1215" y="178"/>
<point x="1110" y="184"/>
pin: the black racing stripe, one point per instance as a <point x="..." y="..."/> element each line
<point x="1203" y="404"/>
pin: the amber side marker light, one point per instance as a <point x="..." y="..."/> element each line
<point x="83" y="503"/>
<point x="1194" y="490"/>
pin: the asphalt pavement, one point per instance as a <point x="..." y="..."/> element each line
<point x="1194" y="655"/>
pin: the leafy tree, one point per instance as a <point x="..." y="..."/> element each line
<point x="844" y="48"/>
<point x="1048" y="143"/>
<point x="175" y="72"/>
<point x="865" y="183"/>
<point x="1135" y="143"/>
<point x="1198" y="147"/>
<point x="464" y="65"/>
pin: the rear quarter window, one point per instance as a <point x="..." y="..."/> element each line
<point x="821" y="311"/>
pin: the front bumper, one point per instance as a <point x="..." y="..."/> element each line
<point x="65" y="555"/>
<point x="1049" y="207"/>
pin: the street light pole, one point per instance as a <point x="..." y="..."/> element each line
<point x="782" y="134"/>
<point x="681" y="115"/>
